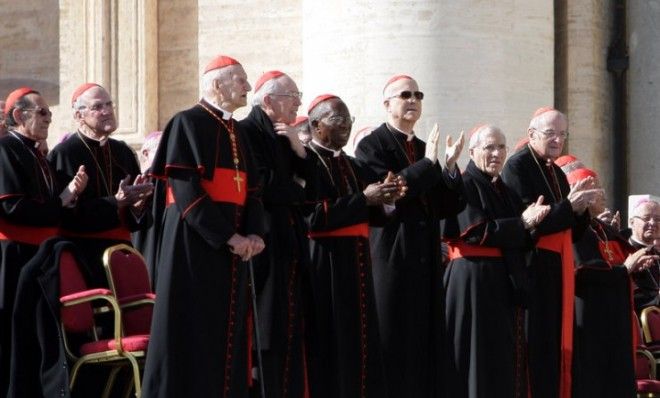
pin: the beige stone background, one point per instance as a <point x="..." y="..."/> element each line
<point x="476" y="60"/>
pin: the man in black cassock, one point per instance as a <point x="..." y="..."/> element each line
<point x="644" y="222"/>
<point x="603" y="357"/>
<point x="531" y="172"/>
<point x="486" y="277"/>
<point x="212" y="224"/>
<point x="32" y="204"/>
<point x="111" y="207"/>
<point x="345" y="350"/>
<point x="282" y="270"/>
<point x="406" y="247"/>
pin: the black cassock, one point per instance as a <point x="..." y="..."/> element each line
<point x="30" y="212"/>
<point x="345" y="347"/>
<point x="646" y="282"/>
<point x="604" y="324"/>
<point x="283" y="266"/>
<point x="484" y="282"/>
<point x="407" y="262"/>
<point x="549" y="312"/>
<point x="199" y="333"/>
<point x="97" y="223"/>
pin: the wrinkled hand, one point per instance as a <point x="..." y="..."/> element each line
<point x="640" y="260"/>
<point x="581" y="195"/>
<point x="611" y="219"/>
<point x="432" y="144"/>
<point x="291" y="133"/>
<point x="240" y="246"/>
<point x="535" y="213"/>
<point x="453" y="151"/>
<point x="130" y="195"/>
<point x="257" y="243"/>
<point x="75" y="187"/>
<point x="142" y="181"/>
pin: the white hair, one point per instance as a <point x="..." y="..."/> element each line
<point x="535" y="123"/>
<point x="482" y="130"/>
<point x="269" y="87"/>
<point x="211" y="76"/>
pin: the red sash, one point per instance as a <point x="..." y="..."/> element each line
<point x="222" y="188"/>
<point x="561" y="243"/>
<point x="458" y="249"/>
<point x="352" y="230"/>
<point x="26" y="234"/>
<point x="119" y="233"/>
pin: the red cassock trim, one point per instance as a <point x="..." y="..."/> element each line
<point x="618" y="254"/>
<point x="458" y="249"/>
<point x="561" y="243"/>
<point x="352" y="230"/>
<point x="26" y="234"/>
<point x="222" y="188"/>
<point x="119" y="233"/>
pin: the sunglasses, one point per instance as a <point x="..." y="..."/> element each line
<point x="409" y="94"/>
<point x="43" y="112"/>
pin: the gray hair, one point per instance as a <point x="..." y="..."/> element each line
<point x="271" y="86"/>
<point x="482" y="130"/>
<point x="536" y="121"/>
<point x="206" y="82"/>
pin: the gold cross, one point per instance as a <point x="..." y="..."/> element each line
<point x="609" y="252"/>
<point x="238" y="180"/>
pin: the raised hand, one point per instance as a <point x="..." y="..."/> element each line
<point x="291" y="133"/>
<point x="432" y="144"/>
<point x="535" y="213"/>
<point x="453" y="150"/>
<point x="75" y="187"/>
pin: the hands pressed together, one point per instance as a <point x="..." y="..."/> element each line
<point x="641" y="260"/>
<point x="535" y="213"/>
<point x="135" y="194"/>
<point x="583" y="194"/>
<point x="391" y="189"/>
<point x="245" y="247"/>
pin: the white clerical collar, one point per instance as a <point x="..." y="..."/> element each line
<point x="225" y="115"/>
<point x="102" y="141"/>
<point x="409" y="136"/>
<point x="335" y="153"/>
<point x="632" y="238"/>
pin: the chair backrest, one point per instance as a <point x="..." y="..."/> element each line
<point x="78" y="318"/>
<point x="644" y="365"/>
<point x="129" y="281"/>
<point x="650" y="318"/>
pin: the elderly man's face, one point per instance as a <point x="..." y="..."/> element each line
<point x="645" y="223"/>
<point x="98" y="111"/>
<point x="334" y="128"/>
<point x="284" y="101"/>
<point x="490" y="153"/>
<point x="548" y="138"/>
<point x="399" y="108"/>
<point x="233" y="89"/>
<point x="35" y="119"/>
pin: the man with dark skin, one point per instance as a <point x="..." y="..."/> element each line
<point x="345" y="353"/>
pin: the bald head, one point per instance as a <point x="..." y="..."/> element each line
<point x="547" y="134"/>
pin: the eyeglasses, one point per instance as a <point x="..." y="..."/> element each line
<point x="648" y="219"/>
<point x="297" y="95"/>
<point x="337" y="120"/>
<point x="99" y="107"/>
<point x="493" y="148"/>
<point x="552" y="134"/>
<point x="43" y="112"/>
<point x="404" y="95"/>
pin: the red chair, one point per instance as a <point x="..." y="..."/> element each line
<point x="129" y="281"/>
<point x="645" y="375"/>
<point x="77" y="317"/>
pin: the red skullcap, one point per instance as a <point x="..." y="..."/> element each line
<point x="566" y="159"/>
<point x="579" y="175"/>
<point x="299" y="120"/>
<point x="471" y="134"/>
<point x="220" y="62"/>
<point x="521" y="144"/>
<point x="542" y="110"/>
<point x="395" y="78"/>
<point x="318" y="100"/>
<point x="16" y="95"/>
<point x="273" y="74"/>
<point x="81" y="90"/>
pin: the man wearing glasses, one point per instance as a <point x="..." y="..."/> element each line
<point x="531" y="172"/>
<point x="644" y="222"/>
<point x="406" y="247"/>
<point x="281" y="268"/>
<point x="32" y="205"/>
<point x="113" y="204"/>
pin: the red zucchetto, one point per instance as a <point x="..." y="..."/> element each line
<point x="318" y="100"/>
<point x="299" y="120"/>
<point x="542" y="110"/>
<point x="574" y="169"/>
<point x="81" y="90"/>
<point x="273" y="74"/>
<point x="15" y="96"/>
<point x="220" y="62"/>
<point x="395" y="78"/>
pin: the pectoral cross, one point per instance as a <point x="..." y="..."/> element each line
<point x="238" y="180"/>
<point x="609" y="252"/>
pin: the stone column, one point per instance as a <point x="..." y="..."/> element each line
<point x="113" y="43"/>
<point x="644" y="101"/>
<point x="475" y="61"/>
